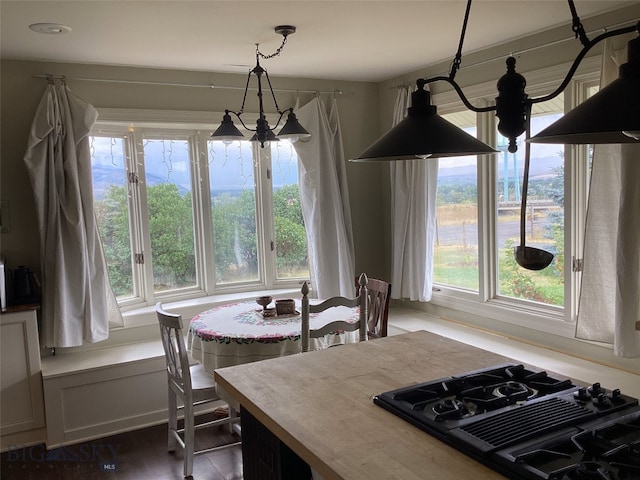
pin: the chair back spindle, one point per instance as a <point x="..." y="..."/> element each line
<point x="379" y="293"/>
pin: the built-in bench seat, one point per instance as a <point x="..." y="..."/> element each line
<point x="92" y="360"/>
<point x="95" y="393"/>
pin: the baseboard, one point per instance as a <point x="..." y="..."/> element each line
<point x="23" y="439"/>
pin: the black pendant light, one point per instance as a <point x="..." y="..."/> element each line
<point x="423" y="134"/>
<point x="611" y="116"/>
<point x="227" y="131"/>
<point x="292" y="130"/>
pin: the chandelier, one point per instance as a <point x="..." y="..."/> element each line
<point x="291" y="130"/>
<point x="610" y="116"/>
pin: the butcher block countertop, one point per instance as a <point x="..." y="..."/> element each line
<point x="320" y="405"/>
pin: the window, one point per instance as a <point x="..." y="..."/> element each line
<point x="181" y="215"/>
<point x="478" y="213"/>
<point x="109" y="169"/>
<point x="456" y="249"/>
<point x="544" y="219"/>
<point x="233" y="212"/>
<point x="170" y="213"/>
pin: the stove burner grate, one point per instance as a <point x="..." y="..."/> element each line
<point x="608" y="452"/>
<point x="450" y="409"/>
<point x="521" y="423"/>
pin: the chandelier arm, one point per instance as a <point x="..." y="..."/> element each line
<point x="244" y="98"/>
<point x="239" y="117"/>
<point x="580" y="57"/>
<point x="455" y="66"/>
<point x="280" y="117"/>
<point x="273" y="95"/>
<point x="577" y="27"/>
<point x="460" y="93"/>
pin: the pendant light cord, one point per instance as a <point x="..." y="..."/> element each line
<point x="577" y="27"/>
<point x="277" y="52"/>
<point x="458" y="58"/>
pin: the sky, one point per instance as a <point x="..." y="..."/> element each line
<point x="230" y="166"/>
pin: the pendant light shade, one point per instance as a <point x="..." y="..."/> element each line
<point x="611" y="116"/>
<point x="423" y="134"/>
<point x="292" y="130"/>
<point x="227" y="131"/>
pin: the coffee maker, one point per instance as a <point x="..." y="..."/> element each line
<point x="25" y="287"/>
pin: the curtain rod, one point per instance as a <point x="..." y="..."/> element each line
<point x="552" y="44"/>
<point x="527" y="50"/>
<point x="187" y="85"/>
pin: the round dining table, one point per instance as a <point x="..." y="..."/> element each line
<point x="237" y="333"/>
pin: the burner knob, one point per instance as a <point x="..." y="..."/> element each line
<point x="602" y="400"/>
<point x="615" y="394"/>
<point x="595" y="390"/>
<point x="582" y="394"/>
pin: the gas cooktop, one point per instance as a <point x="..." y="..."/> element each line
<point x="527" y="424"/>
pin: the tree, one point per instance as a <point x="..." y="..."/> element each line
<point x="234" y="234"/>
<point x="113" y="223"/>
<point x="291" y="236"/>
<point x="172" y="235"/>
<point x="171" y="231"/>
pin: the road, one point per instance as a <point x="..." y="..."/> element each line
<point x="468" y="233"/>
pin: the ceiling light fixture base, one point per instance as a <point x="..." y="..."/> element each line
<point x="285" y="30"/>
<point x="49" y="28"/>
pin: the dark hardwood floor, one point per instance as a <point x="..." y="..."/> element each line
<point x="140" y="454"/>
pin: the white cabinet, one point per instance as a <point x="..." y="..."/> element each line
<point x="22" y="417"/>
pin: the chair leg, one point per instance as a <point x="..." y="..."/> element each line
<point x="189" y="438"/>
<point x="232" y="414"/>
<point x="173" y="421"/>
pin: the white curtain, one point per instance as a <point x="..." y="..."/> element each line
<point x="77" y="301"/>
<point x="610" y="294"/>
<point x="325" y="201"/>
<point x="413" y="219"/>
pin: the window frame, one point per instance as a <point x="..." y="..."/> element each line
<point x="132" y="124"/>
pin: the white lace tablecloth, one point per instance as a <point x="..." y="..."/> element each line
<point x="236" y="333"/>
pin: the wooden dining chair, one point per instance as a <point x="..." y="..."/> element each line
<point x="189" y="384"/>
<point x="338" y="325"/>
<point x="379" y="293"/>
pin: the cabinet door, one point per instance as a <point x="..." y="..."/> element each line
<point x="21" y="400"/>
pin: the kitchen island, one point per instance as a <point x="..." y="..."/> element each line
<point x="319" y="404"/>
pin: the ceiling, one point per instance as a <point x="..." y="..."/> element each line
<point x="342" y="40"/>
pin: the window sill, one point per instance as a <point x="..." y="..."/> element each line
<point x="510" y="313"/>
<point x="142" y="317"/>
